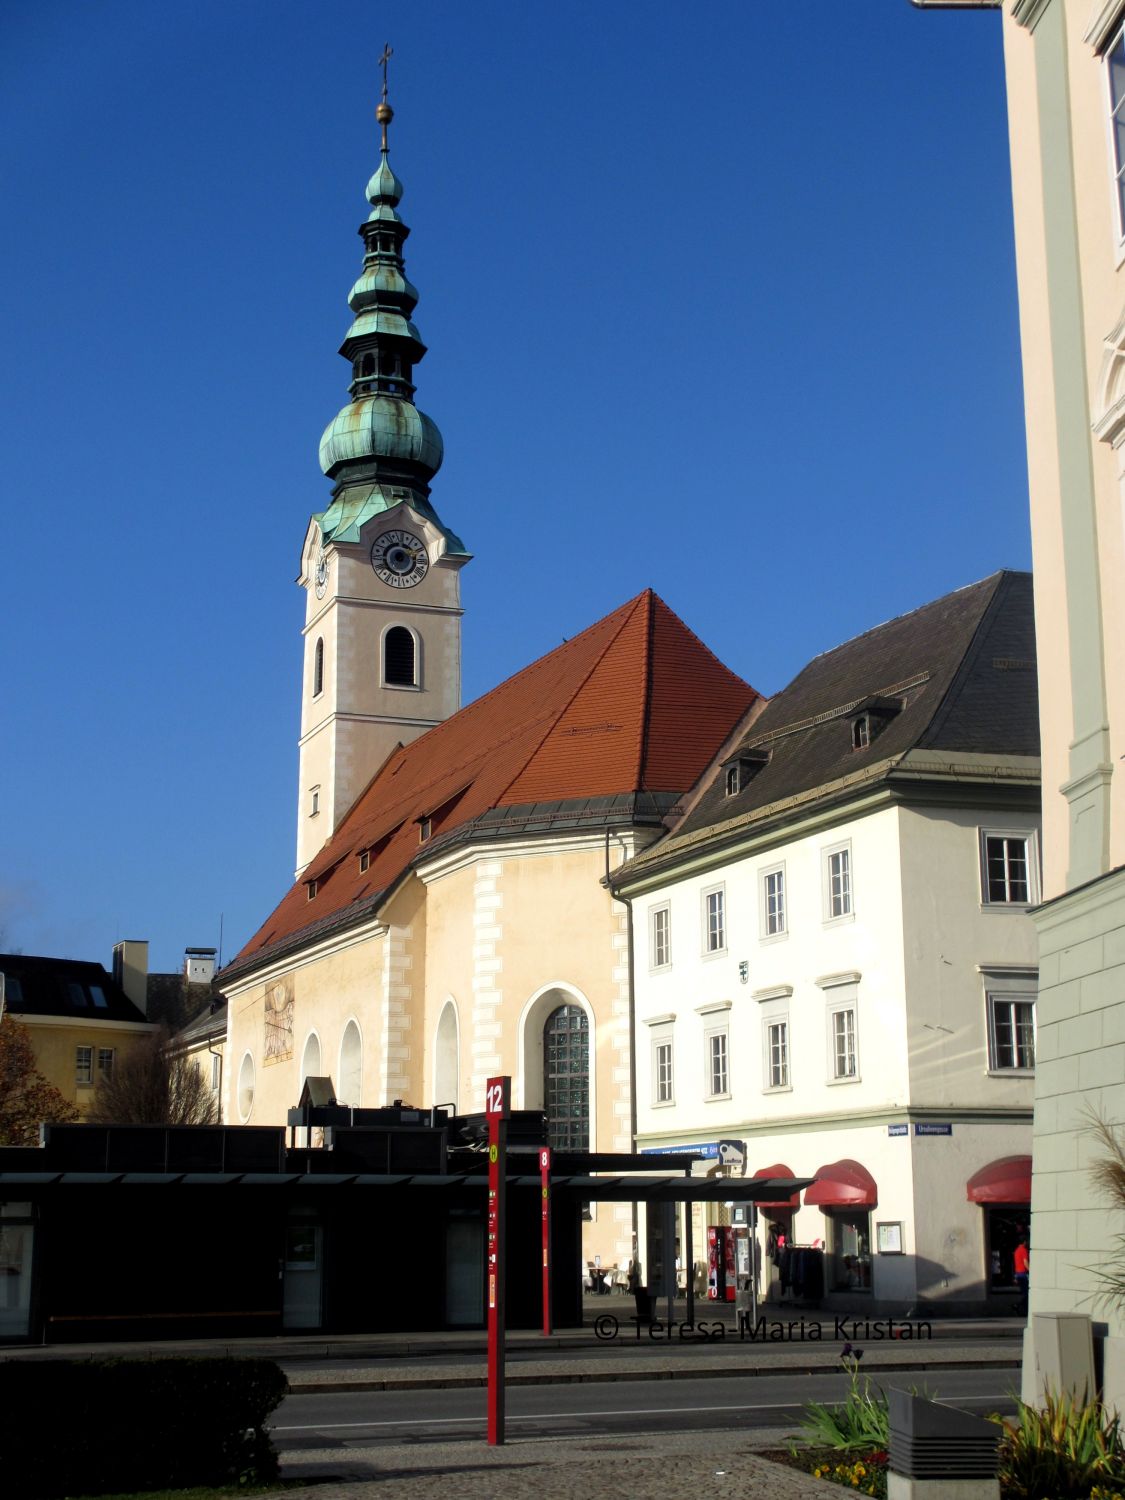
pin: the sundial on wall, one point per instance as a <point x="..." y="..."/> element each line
<point x="279" y="1020"/>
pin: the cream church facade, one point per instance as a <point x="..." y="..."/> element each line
<point x="449" y="919"/>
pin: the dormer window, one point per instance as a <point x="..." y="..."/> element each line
<point x="740" y="769"/>
<point x="364" y="861"/>
<point x="871" y="716"/>
<point x="425" y="828"/>
<point x="311" y="888"/>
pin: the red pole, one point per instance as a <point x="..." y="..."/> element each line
<point x="497" y="1107"/>
<point x="545" y="1175"/>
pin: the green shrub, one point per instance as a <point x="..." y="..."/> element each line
<point x="1064" y="1449"/>
<point x="87" y="1427"/>
<point x="859" y="1423"/>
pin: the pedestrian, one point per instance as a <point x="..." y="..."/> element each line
<point x="1021" y="1262"/>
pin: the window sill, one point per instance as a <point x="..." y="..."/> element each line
<point x="660" y="968"/>
<point x="709" y="953"/>
<point x="773" y="937"/>
<point x="1020" y="907"/>
<point x="833" y="1083"/>
<point x="1010" y="1073"/>
<point x="716" y="1098"/>
<point x="663" y="1104"/>
<point x="778" y="1088"/>
<point x="402" y="687"/>
<point x="841" y="921"/>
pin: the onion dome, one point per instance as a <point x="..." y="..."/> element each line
<point x="381" y="438"/>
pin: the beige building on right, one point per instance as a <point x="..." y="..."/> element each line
<point x="1065" y="64"/>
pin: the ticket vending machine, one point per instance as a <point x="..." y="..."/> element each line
<point x="720" y="1263"/>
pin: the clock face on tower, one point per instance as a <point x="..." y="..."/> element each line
<point x="399" y="559"/>
<point x="321" y="574"/>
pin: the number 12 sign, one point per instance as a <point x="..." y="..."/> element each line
<point x="498" y="1099"/>
<point x="497" y="1108"/>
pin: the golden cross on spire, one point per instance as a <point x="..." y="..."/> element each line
<point x="383" y="111"/>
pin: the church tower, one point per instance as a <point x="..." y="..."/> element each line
<point x="381" y="573"/>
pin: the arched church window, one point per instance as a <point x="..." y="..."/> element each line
<point x="351" y="1066"/>
<point x="400" y="667"/>
<point x="566" y="1078"/>
<point x="318" y="668"/>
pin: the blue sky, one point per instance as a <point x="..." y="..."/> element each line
<point x="719" y="300"/>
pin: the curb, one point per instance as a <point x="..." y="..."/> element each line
<point x="588" y="1377"/>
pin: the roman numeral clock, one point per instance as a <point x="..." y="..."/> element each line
<point x="399" y="559"/>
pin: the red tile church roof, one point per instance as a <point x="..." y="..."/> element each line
<point x="636" y="703"/>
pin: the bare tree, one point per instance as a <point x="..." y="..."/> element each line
<point x="153" y="1085"/>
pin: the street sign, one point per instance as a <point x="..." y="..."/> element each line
<point x="545" y="1189"/>
<point x="497" y="1108"/>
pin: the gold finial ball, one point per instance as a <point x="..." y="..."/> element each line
<point x="384" y="114"/>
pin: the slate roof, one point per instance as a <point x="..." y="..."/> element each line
<point x="959" y="675"/>
<point x="63" y="987"/>
<point x="607" y="729"/>
<point x="211" y="1021"/>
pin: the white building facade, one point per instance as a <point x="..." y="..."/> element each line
<point x="844" y="978"/>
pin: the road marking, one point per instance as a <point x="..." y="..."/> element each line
<point x="568" y="1416"/>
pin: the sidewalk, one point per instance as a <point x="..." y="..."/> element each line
<point x="657" y="1466"/>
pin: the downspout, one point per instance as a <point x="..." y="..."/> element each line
<point x="627" y="903"/>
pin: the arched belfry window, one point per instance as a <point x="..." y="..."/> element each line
<point x="566" y="1078"/>
<point x="318" y="668"/>
<point x="400" y="658"/>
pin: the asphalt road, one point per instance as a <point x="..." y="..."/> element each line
<point x="363" y="1420"/>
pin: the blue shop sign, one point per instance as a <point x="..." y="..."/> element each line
<point x="709" y="1149"/>
<point x="928" y="1129"/>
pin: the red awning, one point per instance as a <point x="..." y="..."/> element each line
<point x="1005" y="1181"/>
<point x="842" y="1184"/>
<point x="779" y="1169"/>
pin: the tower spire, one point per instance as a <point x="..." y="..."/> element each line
<point x="380" y="450"/>
<point x="383" y="111"/>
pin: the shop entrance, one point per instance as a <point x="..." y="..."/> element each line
<point x="1004" y="1226"/>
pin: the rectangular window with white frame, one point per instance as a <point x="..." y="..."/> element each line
<point x="83" y="1065"/>
<point x="660" y="937"/>
<point x="718" y="1063"/>
<point x="771" y="886"/>
<point x="663" y="1083"/>
<point x="776" y="1032"/>
<point x="714" y="920"/>
<point x="1009" y="860"/>
<point x="215" y="1072"/>
<point x="105" y="1062"/>
<point x="845" y="1054"/>
<point x="1011" y="1033"/>
<point x="837" y="878"/>
<point x="1115" y="84"/>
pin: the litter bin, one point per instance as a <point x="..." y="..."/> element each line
<point x="646" y="1305"/>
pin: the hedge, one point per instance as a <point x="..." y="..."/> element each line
<point x="90" y="1427"/>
